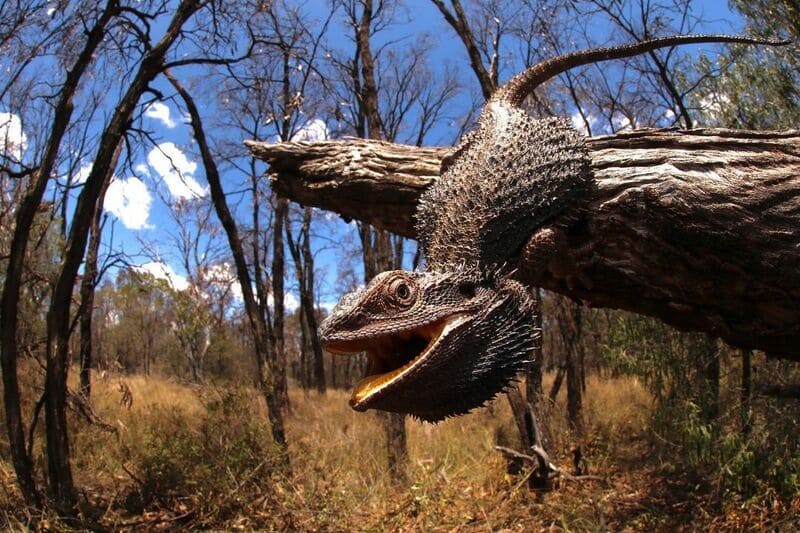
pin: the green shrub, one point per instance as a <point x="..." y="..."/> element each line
<point x="697" y="425"/>
<point x="222" y="459"/>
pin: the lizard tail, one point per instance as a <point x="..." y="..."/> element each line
<point x="520" y="86"/>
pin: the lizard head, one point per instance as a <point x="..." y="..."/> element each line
<point x="438" y="343"/>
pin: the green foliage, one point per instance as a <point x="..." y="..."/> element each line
<point x="134" y="321"/>
<point x="41" y="266"/>
<point x="696" y="425"/>
<point x="647" y="348"/>
<point x="220" y="460"/>
<point x="757" y="88"/>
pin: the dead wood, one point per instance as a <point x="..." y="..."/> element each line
<point x="699" y="228"/>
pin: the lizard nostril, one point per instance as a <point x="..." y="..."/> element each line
<point x="467" y="290"/>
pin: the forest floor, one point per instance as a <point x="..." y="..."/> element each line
<point x="184" y="456"/>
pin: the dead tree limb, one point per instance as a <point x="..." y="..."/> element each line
<point x="699" y="228"/>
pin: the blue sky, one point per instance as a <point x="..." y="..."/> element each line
<point x="173" y="131"/>
<point x="169" y="171"/>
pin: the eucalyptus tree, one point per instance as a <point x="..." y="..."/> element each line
<point x="72" y="117"/>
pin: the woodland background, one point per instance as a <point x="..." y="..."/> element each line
<point x="167" y="372"/>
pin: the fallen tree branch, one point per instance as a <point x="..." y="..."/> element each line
<point x="699" y="228"/>
<point x="541" y="463"/>
<point x="79" y="404"/>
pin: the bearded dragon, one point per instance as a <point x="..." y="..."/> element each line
<point x="446" y="339"/>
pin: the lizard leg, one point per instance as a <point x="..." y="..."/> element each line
<point x="548" y="254"/>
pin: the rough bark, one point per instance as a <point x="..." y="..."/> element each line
<point x="369" y="180"/>
<point x="698" y="228"/>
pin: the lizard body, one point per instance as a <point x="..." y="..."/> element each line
<point x="449" y="338"/>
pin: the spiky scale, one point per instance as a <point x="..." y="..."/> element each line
<point x="503" y="181"/>
<point x="508" y="177"/>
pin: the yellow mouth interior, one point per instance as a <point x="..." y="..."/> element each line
<point x="391" y="356"/>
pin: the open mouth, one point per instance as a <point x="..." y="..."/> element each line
<point x="391" y="357"/>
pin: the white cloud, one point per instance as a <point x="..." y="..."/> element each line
<point x="713" y="105"/>
<point x="224" y="275"/>
<point x="600" y="125"/>
<point x="160" y="112"/>
<point x="596" y="123"/>
<point x="141" y="170"/>
<point x="578" y="123"/>
<point x="129" y="201"/>
<point x="290" y="301"/>
<point x="621" y="122"/>
<point x="162" y="270"/>
<point x="177" y="170"/>
<point x="328" y="306"/>
<point x="13" y="140"/>
<point x="314" y="130"/>
<point x="82" y="175"/>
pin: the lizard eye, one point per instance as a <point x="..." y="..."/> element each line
<point x="402" y="292"/>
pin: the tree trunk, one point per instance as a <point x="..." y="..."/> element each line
<point x="304" y="271"/>
<point x="59" y="471"/>
<point x="533" y="381"/>
<point x="698" y="228"/>
<point x="13" y="275"/>
<point x="255" y="315"/>
<point x="311" y="317"/>
<point x="457" y="19"/>
<point x="708" y="376"/>
<point x="568" y="318"/>
<point x="58" y="330"/>
<point x="196" y="349"/>
<point x="557" y="382"/>
<point x="278" y="273"/>
<point x="88" y="284"/>
<point x="574" y="392"/>
<point x="379" y="255"/>
<point x="303" y="371"/>
<point x="747" y="392"/>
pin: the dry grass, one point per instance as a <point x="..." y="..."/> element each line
<point x="339" y="480"/>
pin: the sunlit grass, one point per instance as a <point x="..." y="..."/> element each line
<point x="339" y="479"/>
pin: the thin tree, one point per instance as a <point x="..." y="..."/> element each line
<point x="134" y="33"/>
<point x="304" y="270"/>
<point x="11" y="287"/>
<point x="255" y="316"/>
<point x="377" y="250"/>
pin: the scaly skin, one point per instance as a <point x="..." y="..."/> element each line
<point x="448" y="339"/>
<point x="400" y="313"/>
